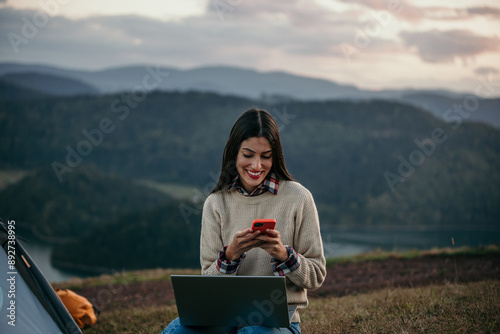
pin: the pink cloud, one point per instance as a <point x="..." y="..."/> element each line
<point x="484" y="11"/>
<point x="437" y="46"/>
<point x="406" y="11"/>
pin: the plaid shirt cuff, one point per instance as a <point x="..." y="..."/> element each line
<point x="287" y="266"/>
<point x="225" y="266"/>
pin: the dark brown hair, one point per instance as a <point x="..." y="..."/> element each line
<point x="252" y="123"/>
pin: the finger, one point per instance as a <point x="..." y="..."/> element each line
<point x="264" y="238"/>
<point x="252" y="235"/>
<point x="253" y="244"/>
<point x="270" y="236"/>
<point x="273" y="233"/>
<point x="243" y="233"/>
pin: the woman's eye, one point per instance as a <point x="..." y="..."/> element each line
<point x="262" y="156"/>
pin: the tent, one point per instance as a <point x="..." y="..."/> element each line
<point x="28" y="303"/>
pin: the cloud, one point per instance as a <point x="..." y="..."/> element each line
<point x="405" y="11"/>
<point x="462" y="14"/>
<point x="250" y="34"/>
<point x="486" y="70"/>
<point x="374" y="4"/>
<point x="302" y="27"/>
<point x="400" y="9"/>
<point x="297" y="36"/>
<point x="436" y="46"/>
<point x="484" y="11"/>
<point x="303" y="14"/>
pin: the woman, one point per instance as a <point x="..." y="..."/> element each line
<point x="254" y="183"/>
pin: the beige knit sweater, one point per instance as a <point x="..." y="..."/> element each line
<point x="226" y="212"/>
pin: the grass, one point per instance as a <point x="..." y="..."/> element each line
<point x="452" y="308"/>
<point x="134" y="321"/>
<point x="125" y="277"/>
<point x="447" y="308"/>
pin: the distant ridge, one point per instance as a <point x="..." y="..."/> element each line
<point x="246" y="83"/>
<point x="9" y="90"/>
<point x="49" y="84"/>
<point x="217" y="79"/>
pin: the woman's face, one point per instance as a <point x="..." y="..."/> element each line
<point x="254" y="161"/>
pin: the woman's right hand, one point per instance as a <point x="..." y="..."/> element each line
<point x="242" y="242"/>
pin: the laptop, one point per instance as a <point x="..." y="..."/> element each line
<point x="235" y="301"/>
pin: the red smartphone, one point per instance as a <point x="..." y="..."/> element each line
<point x="263" y="224"/>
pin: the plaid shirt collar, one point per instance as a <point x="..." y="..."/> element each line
<point x="270" y="183"/>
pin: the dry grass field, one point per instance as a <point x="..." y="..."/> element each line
<point x="436" y="292"/>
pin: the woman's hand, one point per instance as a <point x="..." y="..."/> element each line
<point x="271" y="243"/>
<point x="242" y="242"/>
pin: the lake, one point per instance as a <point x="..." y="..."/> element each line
<point x="348" y="242"/>
<point x="40" y="253"/>
<point x="337" y="243"/>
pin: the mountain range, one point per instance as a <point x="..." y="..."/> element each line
<point x="375" y="163"/>
<point x="97" y="172"/>
<point x="247" y="83"/>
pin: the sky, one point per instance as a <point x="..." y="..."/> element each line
<point x="372" y="44"/>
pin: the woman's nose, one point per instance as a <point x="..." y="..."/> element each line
<point x="256" y="164"/>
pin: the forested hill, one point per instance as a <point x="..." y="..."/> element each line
<point x="373" y="163"/>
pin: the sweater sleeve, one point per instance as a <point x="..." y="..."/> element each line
<point x="308" y="244"/>
<point x="211" y="241"/>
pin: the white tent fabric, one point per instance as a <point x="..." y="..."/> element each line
<point x="28" y="303"/>
<point x="20" y="311"/>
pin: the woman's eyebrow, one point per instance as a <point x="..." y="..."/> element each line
<point x="244" y="148"/>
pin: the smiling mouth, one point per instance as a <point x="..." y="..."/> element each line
<point x="254" y="175"/>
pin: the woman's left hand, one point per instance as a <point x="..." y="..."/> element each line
<point x="271" y="243"/>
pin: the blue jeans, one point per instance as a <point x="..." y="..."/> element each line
<point x="176" y="327"/>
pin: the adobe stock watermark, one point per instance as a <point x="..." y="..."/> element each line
<point x="282" y="119"/>
<point x="427" y="146"/>
<point x="364" y="35"/>
<point x="222" y="7"/>
<point x="32" y="25"/>
<point x="12" y="274"/>
<point x="121" y="107"/>
<point x="195" y="207"/>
